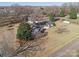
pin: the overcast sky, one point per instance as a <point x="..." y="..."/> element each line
<point x="32" y="3"/>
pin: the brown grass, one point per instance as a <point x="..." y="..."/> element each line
<point x="56" y="40"/>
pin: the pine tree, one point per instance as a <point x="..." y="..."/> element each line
<point x="73" y="13"/>
<point x="24" y="32"/>
<point x="52" y="18"/>
<point x="62" y="14"/>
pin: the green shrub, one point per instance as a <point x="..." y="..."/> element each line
<point x="54" y="24"/>
<point x="24" y="32"/>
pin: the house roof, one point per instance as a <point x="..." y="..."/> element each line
<point x="38" y="17"/>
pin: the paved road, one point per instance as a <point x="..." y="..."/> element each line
<point x="74" y="45"/>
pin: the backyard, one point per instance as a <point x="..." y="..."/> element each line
<point x="52" y="42"/>
<point x="56" y="41"/>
